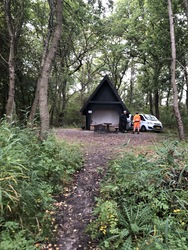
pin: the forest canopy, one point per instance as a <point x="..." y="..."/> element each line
<point x="54" y="54"/>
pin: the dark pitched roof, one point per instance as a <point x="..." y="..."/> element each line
<point x="93" y="98"/>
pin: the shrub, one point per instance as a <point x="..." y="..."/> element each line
<point x="32" y="173"/>
<point x="148" y="196"/>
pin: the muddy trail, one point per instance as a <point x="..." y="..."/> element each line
<point x="75" y="206"/>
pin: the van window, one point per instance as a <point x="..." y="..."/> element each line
<point x="142" y="118"/>
<point x="151" y="117"/>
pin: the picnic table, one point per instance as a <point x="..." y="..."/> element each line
<point x="99" y="128"/>
<point x="107" y="126"/>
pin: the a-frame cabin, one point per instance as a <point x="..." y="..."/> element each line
<point x="103" y="106"/>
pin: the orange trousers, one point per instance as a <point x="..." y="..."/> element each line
<point x="136" y="125"/>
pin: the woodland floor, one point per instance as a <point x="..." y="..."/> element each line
<point x="76" y="205"/>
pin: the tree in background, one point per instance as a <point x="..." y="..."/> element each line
<point x="77" y="69"/>
<point x="50" y="48"/>
<point x="52" y="40"/>
<point x="173" y="74"/>
<point x="130" y="44"/>
<point x="14" y="19"/>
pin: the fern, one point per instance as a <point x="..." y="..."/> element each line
<point x="127" y="245"/>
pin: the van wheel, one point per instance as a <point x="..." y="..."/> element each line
<point x="143" y="129"/>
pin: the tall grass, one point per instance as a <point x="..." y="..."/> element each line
<point x="31" y="174"/>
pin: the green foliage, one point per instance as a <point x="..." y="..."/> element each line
<point x="31" y="174"/>
<point x="15" y="239"/>
<point x="107" y="219"/>
<point x="169" y="120"/>
<point x="132" y="41"/>
<point x="148" y="196"/>
<point x="72" y="113"/>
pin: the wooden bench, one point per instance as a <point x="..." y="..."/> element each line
<point x="103" y="128"/>
<point x="114" y="128"/>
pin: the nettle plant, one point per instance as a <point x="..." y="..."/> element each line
<point x="148" y="196"/>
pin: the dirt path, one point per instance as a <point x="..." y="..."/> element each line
<point x="75" y="207"/>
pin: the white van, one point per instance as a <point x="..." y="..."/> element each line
<point x="148" y="123"/>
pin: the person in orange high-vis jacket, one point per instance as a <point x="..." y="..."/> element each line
<point x="136" y="122"/>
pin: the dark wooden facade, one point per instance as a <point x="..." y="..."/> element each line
<point x="104" y="105"/>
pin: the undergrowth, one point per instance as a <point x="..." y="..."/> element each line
<point x="32" y="173"/>
<point x="143" y="202"/>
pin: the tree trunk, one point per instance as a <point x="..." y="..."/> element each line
<point x="173" y="75"/>
<point x="185" y="68"/>
<point x="46" y="70"/>
<point x="157" y="71"/>
<point x="156" y="102"/>
<point x="131" y="84"/>
<point x="35" y="104"/>
<point x="186" y="8"/>
<point x="14" y="30"/>
<point x="11" y="64"/>
<point x="33" y="108"/>
<point x="150" y="103"/>
<point x="186" y="82"/>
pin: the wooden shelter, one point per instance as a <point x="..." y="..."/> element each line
<point x="104" y="106"/>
